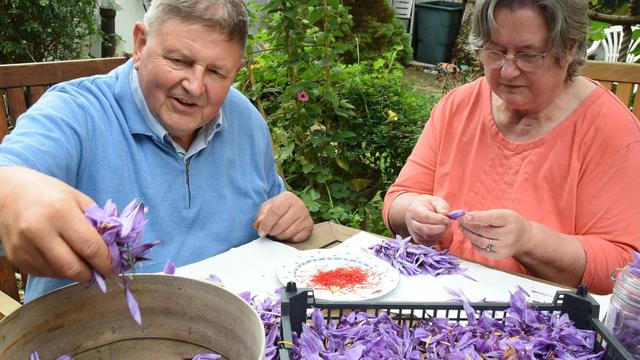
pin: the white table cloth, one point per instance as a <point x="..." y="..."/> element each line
<point x="252" y="267"/>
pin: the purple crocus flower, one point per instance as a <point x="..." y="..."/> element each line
<point x="524" y="333"/>
<point x="415" y="259"/>
<point x="122" y="233"/>
<point x="269" y="311"/>
<point x="34" y="356"/>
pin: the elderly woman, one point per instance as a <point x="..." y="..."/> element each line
<point x="545" y="161"/>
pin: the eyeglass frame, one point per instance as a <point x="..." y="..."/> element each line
<point x="514" y="57"/>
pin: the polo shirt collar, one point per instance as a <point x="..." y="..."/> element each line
<point x="154" y="128"/>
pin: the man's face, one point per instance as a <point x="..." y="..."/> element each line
<point x="185" y="71"/>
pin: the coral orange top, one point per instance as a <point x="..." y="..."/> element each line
<point x="581" y="178"/>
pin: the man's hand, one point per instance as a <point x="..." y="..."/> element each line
<point x="285" y="217"/>
<point x="43" y="228"/>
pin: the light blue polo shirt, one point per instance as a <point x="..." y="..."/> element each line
<point x="91" y="134"/>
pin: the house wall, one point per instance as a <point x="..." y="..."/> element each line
<point x="128" y="13"/>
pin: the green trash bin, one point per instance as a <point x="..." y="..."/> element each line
<point x="435" y="30"/>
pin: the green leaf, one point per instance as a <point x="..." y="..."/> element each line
<point x="361" y="184"/>
<point x="342" y="163"/>
<point x="315" y="15"/>
<point x="307" y="168"/>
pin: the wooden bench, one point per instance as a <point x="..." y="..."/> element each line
<point x="21" y="85"/>
<point x="622" y="79"/>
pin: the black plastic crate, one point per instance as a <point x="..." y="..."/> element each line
<point x="582" y="310"/>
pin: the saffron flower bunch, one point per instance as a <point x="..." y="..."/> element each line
<point x="634" y="265"/>
<point x="524" y="333"/>
<point x="415" y="259"/>
<point x="123" y="233"/>
<point x="269" y="310"/>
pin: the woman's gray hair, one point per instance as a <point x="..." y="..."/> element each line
<point x="567" y="21"/>
<point x="228" y="17"/>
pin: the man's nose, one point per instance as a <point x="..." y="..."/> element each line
<point x="194" y="81"/>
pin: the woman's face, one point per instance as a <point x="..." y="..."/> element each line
<point x="524" y="31"/>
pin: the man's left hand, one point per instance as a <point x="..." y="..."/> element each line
<point x="284" y="217"/>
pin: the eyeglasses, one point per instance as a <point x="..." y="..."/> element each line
<point x="526" y="61"/>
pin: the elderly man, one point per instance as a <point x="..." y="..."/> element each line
<point x="166" y="128"/>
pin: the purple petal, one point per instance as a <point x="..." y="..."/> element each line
<point x="132" y="217"/>
<point x="169" y="268"/>
<point x="207" y="357"/>
<point x="455" y="214"/>
<point x="100" y="281"/>
<point x="34" y="356"/>
<point x="96" y="215"/>
<point x="214" y="278"/>
<point x="415" y="259"/>
<point x="64" y="357"/>
<point x="134" y="309"/>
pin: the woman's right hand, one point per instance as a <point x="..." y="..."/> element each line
<point x="426" y="219"/>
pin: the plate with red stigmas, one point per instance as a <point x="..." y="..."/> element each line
<point x="340" y="276"/>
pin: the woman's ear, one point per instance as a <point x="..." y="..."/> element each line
<point x="571" y="53"/>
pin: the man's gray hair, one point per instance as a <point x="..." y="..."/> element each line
<point x="228" y="17"/>
<point x="567" y="21"/>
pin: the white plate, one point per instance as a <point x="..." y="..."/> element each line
<point x="381" y="276"/>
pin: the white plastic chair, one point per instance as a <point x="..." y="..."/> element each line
<point x="405" y="11"/>
<point x="611" y="45"/>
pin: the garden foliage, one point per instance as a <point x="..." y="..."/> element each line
<point x="375" y="29"/>
<point x="44" y="30"/>
<point x="341" y="131"/>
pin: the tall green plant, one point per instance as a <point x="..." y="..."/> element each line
<point x="376" y="29"/>
<point x="341" y="132"/>
<point x="43" y="30"/>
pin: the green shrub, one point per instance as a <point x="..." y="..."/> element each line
<point x="341" y="132"/>
<point x="43" y="30"/>
<point x="375" y="29"/>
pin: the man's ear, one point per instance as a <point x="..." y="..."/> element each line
<point x="139" y="41"/>
<point x="242" y="63"/>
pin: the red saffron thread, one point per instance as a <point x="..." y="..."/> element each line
<point x="340" y="278"/>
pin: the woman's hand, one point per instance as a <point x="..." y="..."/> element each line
<point x="497" y="234"/>
<point x="426" y="219"/>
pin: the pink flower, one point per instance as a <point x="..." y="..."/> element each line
<point x="302" y="96"/>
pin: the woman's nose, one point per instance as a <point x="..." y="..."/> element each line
<point x="509" y="69"/>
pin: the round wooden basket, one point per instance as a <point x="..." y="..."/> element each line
<point x="180" y="318"/>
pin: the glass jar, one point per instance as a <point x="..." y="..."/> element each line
<point x="623" y="316"/>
